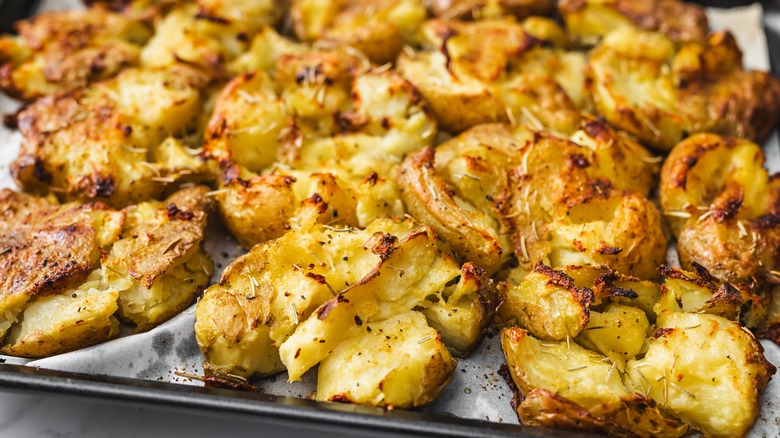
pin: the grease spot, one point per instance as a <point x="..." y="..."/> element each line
<point x="162" y="343"/>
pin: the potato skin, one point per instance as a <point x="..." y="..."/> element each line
<point x="63" y="50"/>
<point x="589" y="20"/>
<point x="729" y="224"/>
<point x="637" y="79"/>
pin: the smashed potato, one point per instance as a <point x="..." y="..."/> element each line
<point x="319" y="121"/>
<point x="280" y="307"/>
<point x="117" y="141"/>
<point x="208" y="34"/>
<point x="660" y="92"/>
<point x="704" y="369"/>
<point x="724" y="208"/>
<point x="567" y="386"/>
<point x="63" y="50"/>
<point x="62" y="290"/>
<point x="378" y="28"/>
<point x="497" y="189"/>
<point x="590" y="20"/>
<point x="497" y="71"/>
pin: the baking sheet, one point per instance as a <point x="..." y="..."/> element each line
<point x="476" y="391"/>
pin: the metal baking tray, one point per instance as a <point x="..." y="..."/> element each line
<point x="150" y="387"/>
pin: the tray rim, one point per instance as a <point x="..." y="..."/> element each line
<point x="289" y="411"/>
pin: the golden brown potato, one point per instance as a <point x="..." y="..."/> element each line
<point x="46" y="249"/>
<point x="63" y="50"/>
<point x="208" y="34"/>
<point x="704" y="369"/>
<point x="173" y="268"/>
<point x="110" y="141"/>
<point x="567" y="386"/>
<point x="400" y="363"/>
<point x="280" y="307"/>
<point x="590" y="20"/>
<point x="496" y="71"/>
<point x="319" y="121"/>
<point x="62" y="288"/>
<point x="547" y="303"/>
<point x="378" y="28"/>
<point x="548" y="195"/>
<point x="660" y="92"/>
<point x="729" y="223"/>
<point x="488" y="9"/>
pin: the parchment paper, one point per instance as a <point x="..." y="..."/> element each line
<point x="476" y="390"/>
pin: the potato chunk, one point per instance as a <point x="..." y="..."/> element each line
<point x="645" y="84"/>
<point x="378" y="28"/>
<point x="174" y="268"/>
<point x="108" y="141"/>
<point x="496" y="190"/>
<point x="723" y="207"/>
<point x="57" y="324"/>
<point x="547" y="304"/>
<point x="704" y="369"/>
<point x="208" y="34"/>
<point x="62" y="287"/>
<point x="567" y="386"/>
<point x="496" y="71"/>
<point x="400" y="362"/>
<point x="321" y="290"/>
<point x="489" y="9"/>
<point x="589" y="20"/>
<point x="63" y="50"/>
<point x="318" y="121"/>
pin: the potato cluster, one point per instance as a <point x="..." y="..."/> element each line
<point x="406" y="174"/>
<point x="71" y="272"/>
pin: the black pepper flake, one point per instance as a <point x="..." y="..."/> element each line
<point x="358" y="321"/>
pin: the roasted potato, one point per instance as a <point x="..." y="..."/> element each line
<point x="401" y="362"/>
<point x="173" y="269"/>
<point x="318" y="121"/>
<point x="567" y="386"/>
<point x="497" y="71"/>
<point x="280" y="307"/>
<point x="705" y="370"/>
<point x="208" y="34"/>
<point x="110" y="141"/>
<point x="59" y="291"/>
<point x="64" y="50"/>
<point x="644" y="83"/>
<point x="497" y="189"/>
<point x="724" y="208"/>
<point x="590" y="20"/>
<point x="378" y="28"/>
<point x="489" y="9"/>
<point x="547" y="303"/>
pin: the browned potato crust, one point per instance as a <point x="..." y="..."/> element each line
<point x="63" y="50"/>
<point x="108" y="141"/>
<point x="62" y="287"/>
<point x="660" y="92"/>
<point x="487" y="9"/>
<point x="378" y="28"/>
<point x="590" y="20"/>
<point x="548" y="195"/>
<point x="724" y="208"/>
<point x="311" y="120"/>
<point x="497" y="71"/>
